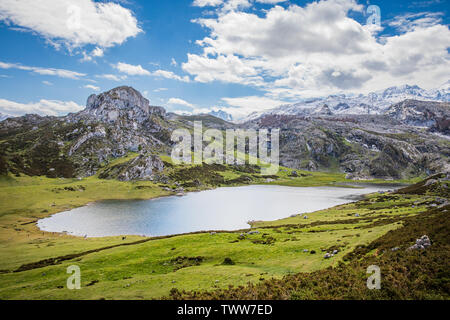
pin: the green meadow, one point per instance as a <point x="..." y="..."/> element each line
<point x="34" y="263"/>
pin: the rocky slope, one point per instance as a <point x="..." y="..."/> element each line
<point x="364" y="147"/>
<point x="119" y="136"/>
<point x="113" y="124"/>
<point x="432" y="115"/>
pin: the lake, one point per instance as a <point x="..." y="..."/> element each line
<point x="227" y="208"/>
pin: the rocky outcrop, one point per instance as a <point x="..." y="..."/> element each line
<point x="421" y="244"/>
<point x="422" y="113"/>
<point x="113" y="124"/>
<point x="363" y="147"/>
<point x="122" y="103"/>
<point x="143" y="167"/>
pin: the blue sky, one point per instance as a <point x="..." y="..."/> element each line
<point x="197" y="55"/>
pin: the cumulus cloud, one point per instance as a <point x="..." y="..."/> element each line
<point x="97" y="52"/>
<point x="43" y="107"/>
<point x="169" y="75"/>
<point x="225" y="68"/>
<point x="62" y="73"/>
<point x="180" y="102"/>
<point x="132" y="70"/>
<point x="207" y="3"/>
<point x="411" y="21"/>
<point x="92" y="87"/>
<point x="72" y="23"/>
<point x="318" y="49"/>
<point x="111" y="77"/>
<point x="138" y="70"/>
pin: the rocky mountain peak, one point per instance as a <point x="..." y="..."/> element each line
<point x="120" y="98"/>
<point x="374" y="103"/>
<point x="120" y="103"/>
<point x="222" y="115"/>
<point x="324" y="110"/>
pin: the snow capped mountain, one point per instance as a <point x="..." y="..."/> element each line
<point x="373" y="103"/>
<point x="222" y="115"/>
<point x="3" y="117"/>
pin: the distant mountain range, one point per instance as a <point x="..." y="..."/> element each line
<point x="222" y="115"/>
<point x="375" y="103"/>
<point x="409" y="139"/>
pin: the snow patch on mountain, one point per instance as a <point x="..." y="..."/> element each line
<point x="374" y="103"/>
<point x="222" y="115"/>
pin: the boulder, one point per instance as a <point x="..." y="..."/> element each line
<point x="422" y="243"/>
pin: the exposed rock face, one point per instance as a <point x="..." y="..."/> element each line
<point x="421" y="243"/>
<point x="119" y="104"/>
<point x="325" y="110"/>
<point x="422" y="114"/>
<point x="364" y="147"/>
<point x="118" y="122"/>
<point x="113" y="124"/>
<point x="143" y="167"/>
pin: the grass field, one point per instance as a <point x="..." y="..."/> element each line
<point x="33" y="264"/>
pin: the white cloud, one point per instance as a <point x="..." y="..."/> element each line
<point x="318" y="49"/>
<point x="227" y="68"/>
<point x="138" y="70"/>
<point x="169" y="75"/>
<point x="160" y="89"/>
<point x="48" y="83"/>
<point x="270" y="1"/>
<point x="43" y="107"/>
<point x="174" y="62"/>
<point x="242" y="106"/>
<point x="92" y="87"/>
<point x="131" y="70"/>
<point x="111" y="77"/>
<point x="411" y="21"/>
<point x="72" y="23"/>
<point x="44" y="71"/>
<point x="180" y="102"/>
<point x="207" y="3"/>
<point x="96" y="53"/>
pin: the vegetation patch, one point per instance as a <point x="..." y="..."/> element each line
<point x="185" y="262"/>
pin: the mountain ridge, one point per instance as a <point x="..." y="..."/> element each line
<point x="376" y="102"/>
<point x="121" y="122"/>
